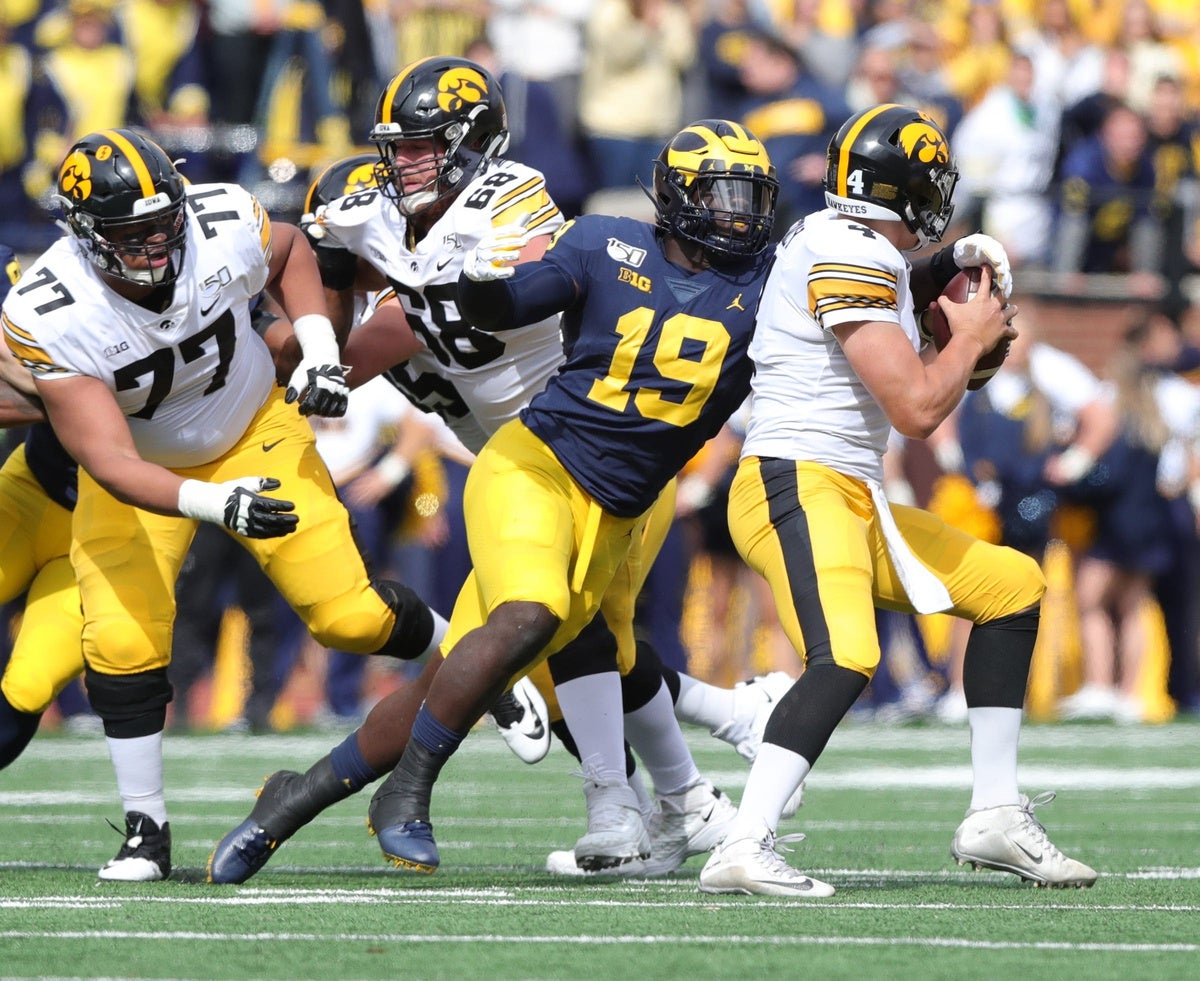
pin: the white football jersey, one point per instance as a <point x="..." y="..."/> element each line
<point x="189" y="379"/>
<point x="475" y="380"/>
<point x="808" y="403"/>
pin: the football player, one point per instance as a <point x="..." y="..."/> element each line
<point x="656" y="322"/>
<point x="477" y="382"/>
<point x="838" y="362"/>
<point x="137" y="329"/>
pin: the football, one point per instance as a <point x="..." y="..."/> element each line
<point x="936" y="328"/>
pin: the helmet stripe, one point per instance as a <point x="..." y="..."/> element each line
<point x="135" y="160"/>
<point x="389" y="96"/>
<point x="848" y="143"/>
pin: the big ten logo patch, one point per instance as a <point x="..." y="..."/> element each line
<point x="625" y="275"/>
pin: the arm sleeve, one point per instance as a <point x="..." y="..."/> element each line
<point x="535" y="291"/>
<point x="338" y="267"/>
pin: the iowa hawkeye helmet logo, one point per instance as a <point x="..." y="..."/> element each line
<point x="923" y="142"/>
<point x="460" y="86"/>
<point x="75" y="178"/>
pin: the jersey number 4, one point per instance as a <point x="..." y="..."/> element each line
<point x="697" y="371"/>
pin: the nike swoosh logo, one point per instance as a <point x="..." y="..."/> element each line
<point x="204" y="311"/>
<point x="789" y="884"/>
<point x="707" y="815"/>
<point x="1035" y="858"/>
<point x="444" y="263"/>
<point x="268" y="447"/>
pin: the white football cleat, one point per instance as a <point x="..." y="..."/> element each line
<point x="1010" y="839"/>
<point x="524" y="721"/>
<point x="616" y="833"/>
<point x="687" y="823"/>
<point x="752" y="866"/>
<point x="754" y="700"/>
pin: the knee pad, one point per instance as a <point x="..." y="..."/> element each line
<point x="131" y="705"/>
<point x="642" y="683"/>
<point x="413" y="630"/>
<point x="593" y="651"/>
<point x="17" y="728"/>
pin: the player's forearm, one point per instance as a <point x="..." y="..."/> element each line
<point x="297" y="284"/>
<point x="17" y="408"/>
<point x="132" y="480"/>
<point x="535" y="291"/>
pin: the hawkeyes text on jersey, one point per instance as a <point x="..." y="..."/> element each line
<point x="656" y="360"/>
<point x="189" y="379"/>
<point x="476" y="381"/>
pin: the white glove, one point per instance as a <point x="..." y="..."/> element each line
<point x="983" y="250"/>
<point x="311" y="223"/>
<point x="494" y="255"/>
<point x="238" y="505"/>
<point x="320" y="377"/>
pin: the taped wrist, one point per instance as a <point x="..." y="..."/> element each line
<point x="203" y="501"/>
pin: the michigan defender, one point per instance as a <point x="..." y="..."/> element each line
<point x="656" y="322"/>
<point x="137" y="329"/>
<point x="838" y="364"/>
<point x="448" y="201"/>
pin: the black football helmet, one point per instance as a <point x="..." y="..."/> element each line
<point x="344" y="177"/>
<point x="715" y="185"/>
<point x="454" y="102"/>
<point x="118" y="192"/>
<point x="893" y="162"/>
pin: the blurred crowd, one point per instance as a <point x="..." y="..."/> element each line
<point x="1076" y="127"/>
<point x="1074" y="121"/>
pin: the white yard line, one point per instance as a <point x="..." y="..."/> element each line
<point x="723" y="940"/>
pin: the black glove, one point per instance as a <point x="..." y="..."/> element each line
<point x="325" y="393"/>
<point x="255" y="516"/>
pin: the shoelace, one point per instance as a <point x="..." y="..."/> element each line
<point x="771" y="846"/>
<point x="132" y="836"/>
<point x="507" y="711"/>
<point x="1034" y="826"/>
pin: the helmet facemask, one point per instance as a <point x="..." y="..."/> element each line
<point x="110" y="242"/>
<point x="729" y="214"/>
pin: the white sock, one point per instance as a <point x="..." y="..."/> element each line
<point x="654" y="734"/>
<point x="138" y="763"/>
<point x="645" y="801"/>
<point x="776" y="773"/>
<point x="592" y="709"/>
<point x="994" y="735"/>
<point x="702" y="704"/>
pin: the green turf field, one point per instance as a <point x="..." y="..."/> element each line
<point x="879" y="815"/>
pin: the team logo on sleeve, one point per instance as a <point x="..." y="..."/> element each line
<point x="460" y="86"/>
<point x="923" y="142"/>
<point x="75" y="178"/>
<point x="630" y="255"/>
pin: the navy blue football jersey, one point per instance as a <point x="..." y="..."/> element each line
<point x="656" y="360"/>
<point x="53" y="467"/>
